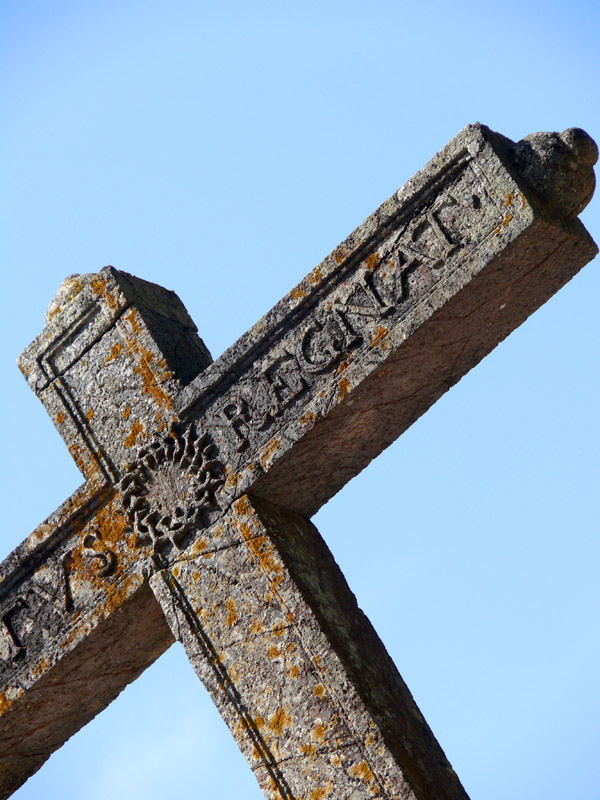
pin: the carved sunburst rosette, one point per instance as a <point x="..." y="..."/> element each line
<point x="170" y="489"/>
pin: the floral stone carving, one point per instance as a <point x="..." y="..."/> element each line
<point x="171" y="487"/>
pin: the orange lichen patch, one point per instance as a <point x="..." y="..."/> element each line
<point x="278" y="628"/>
<point x="322" y="791"/>
<point x="379" y="336"/>
<point x="293" y="672"/>
<point x="336" y="760"/>
<point x="307" y="749"/>
<point x="372" y="260"/>
<point x="4" y="703"/>
<point x="231" y="612"/>
<point x="89" y="413"/>
<point x="88" y="467"/>
<point x="60" y="418"/>
<point x="316" y="276"/>
<point x="133" y="434"/>
<point x="256" y="626"/>
<point x="199" y="546"/>
<point x="268" y="597"/>
<point x="267" y="452"/>
<point x="131" y="318"/>
<point x="370" y="740"/>
<point x="508" y="200"/>
<point x="195" y="576"/>
<point x="151" y="382"/>
<point x="40" y="668"/>
<point x="319" y="690"/>
<point x="290" y="647"/>
<point x="279" y="721"/>
<point x="98" y="285"/>
<point x="308" y="418"/>
<point x="316" y="660"/>
<point x="339" y="254"/>
<point x="505" y="220"/>
<point x="298" y="293"/>
<point x="318" y="731"/>
<point x="126" y="412"/>
<point x="289" y="616"/>
<point x="363" y="771"/>
<point x="259" y="721"/>
<point x="115" y="351"/>
<point x="343" y="365"/>
<point x="232" y="479"/>
<point x="242" y="506"/>
<point x="343" y="387"/>
<point x="273" y="652"/>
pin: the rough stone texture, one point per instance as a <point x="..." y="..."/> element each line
<point x="167" y="441"/>
<point x="294" y="667"/>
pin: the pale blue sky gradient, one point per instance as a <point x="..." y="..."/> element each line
<point x="222" y="150"/>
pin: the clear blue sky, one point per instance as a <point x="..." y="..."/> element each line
<point x="222" y="150"/>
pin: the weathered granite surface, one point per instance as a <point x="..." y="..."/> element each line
<point x="168" y="442"/>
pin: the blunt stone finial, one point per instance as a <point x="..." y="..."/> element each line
<point x="558" y="167"/>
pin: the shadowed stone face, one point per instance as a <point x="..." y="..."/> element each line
<point x="201" y="476"/>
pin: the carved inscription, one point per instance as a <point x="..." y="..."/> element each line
<point x="354" y="311"/>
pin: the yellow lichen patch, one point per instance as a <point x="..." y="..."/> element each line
<point x="298" y="293"/>
<point x="522" y="199"/>
<point x="307" y="749"/>
<point x="336" y="760"/>
<point x="278" y="628"/>
<point x="279" y="721"/>
<point x="273" y="652"/>
<point x="369" y="740"/>
<point x="195" y="576"/>
<point x="379" y="336"/>
<point x="363" y="771"/>
<point x="126" y="412"/>
<point x="267" y="452"/>
<point x="133" y="434"/>
<point x="319" y="690"/>
<point x="231" y="612"/>
<point x="293" y="672"/>
<point x="60" y="418"/>
<point x="115" y="351"/>
<point x="339" y="254"/>
<point x="256" y="626"/>
<point x="307" y="418"/>
<point x="508" y="200"/>
<point x="343" y="387"/>
<point x="316" y="276"/>
<point x="89" y="413"/>
<point x="372" y="260"/>
<point x="52" y="313"/>
<point x="268" y="597"/>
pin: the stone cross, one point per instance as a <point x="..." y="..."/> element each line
<point x="200" y="478"/>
